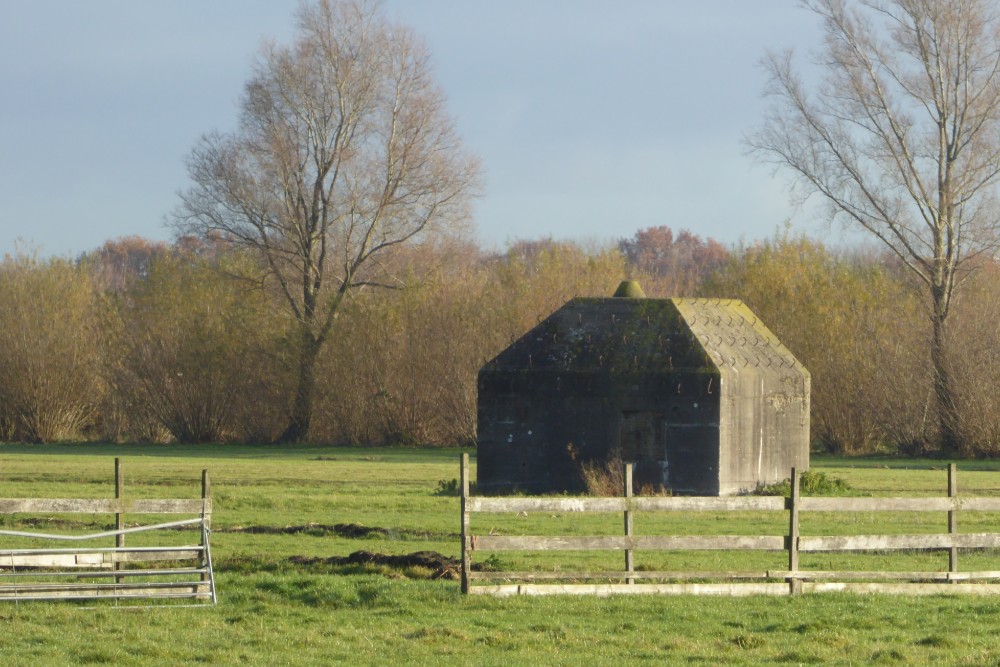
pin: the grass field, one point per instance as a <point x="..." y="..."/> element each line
<point x="275" y="505"/>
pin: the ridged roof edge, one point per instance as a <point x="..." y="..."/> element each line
<point x="734" y="336"/>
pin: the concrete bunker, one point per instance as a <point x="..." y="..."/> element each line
<point x="697" y="393"/>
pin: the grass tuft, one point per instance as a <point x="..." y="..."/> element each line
<point x="889" y="656"/>
<point x="811" y="483"/>
<point x="747" y="641"/>
<point x="800" y="658"/>
<point x="935" y="641"/>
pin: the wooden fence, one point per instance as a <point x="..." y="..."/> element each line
<point x="100" y="565"/>
<point x="790" y="580"/>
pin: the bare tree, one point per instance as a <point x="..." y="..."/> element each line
<point x="901" y="139"/>
<point x="344" y="150"/>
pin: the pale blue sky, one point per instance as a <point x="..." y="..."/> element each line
<point x="593" y="118"/>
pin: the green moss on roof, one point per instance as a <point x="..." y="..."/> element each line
<point x="647" y="336"/>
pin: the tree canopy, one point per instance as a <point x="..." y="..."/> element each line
<point x="901" y="139"/>
<point x="344" y="150"/>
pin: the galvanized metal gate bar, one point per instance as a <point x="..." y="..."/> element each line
<point x="64" y="573"/>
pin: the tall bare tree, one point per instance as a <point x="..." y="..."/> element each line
<point x="344" y="150"/>
<point x="902" y="140"/>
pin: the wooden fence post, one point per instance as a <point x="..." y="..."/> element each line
<point x="466" y="557"/>
<point x="794" y="583"/>
<point x="206" y="494"/>
<point x="952" y="517"/>
<point x="629" y="555"/>
<point x="119" y="519"/>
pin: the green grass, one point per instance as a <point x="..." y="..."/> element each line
<point x="272" y="611"/>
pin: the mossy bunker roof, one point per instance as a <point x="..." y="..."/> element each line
<point x="635" y="335"/>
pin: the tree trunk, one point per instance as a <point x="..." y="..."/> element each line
<point x="301" y="415"/>
<point x="948" y="420"/>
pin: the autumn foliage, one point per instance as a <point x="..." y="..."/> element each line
<point x="144" y="341"/>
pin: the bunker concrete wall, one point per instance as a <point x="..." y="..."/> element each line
<point x="536" y="429"/>
<point x="764" y="429"/>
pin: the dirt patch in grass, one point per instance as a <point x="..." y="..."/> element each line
<point x="348" y="530"/>
<point x="352" y="530"/>
<point x="441" y="567"/>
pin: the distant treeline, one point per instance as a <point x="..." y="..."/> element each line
<point x="144" y="341"/>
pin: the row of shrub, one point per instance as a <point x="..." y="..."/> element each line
<point x="141" y="341"/>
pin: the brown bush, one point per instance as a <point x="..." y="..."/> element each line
<point x="49" y="374"/>
<point x="198" y="355"/>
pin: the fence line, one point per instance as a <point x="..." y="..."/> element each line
<point x="792" y="580"/>
<point x="87" y="572"/>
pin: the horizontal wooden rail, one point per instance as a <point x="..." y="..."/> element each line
<point x="666" y="575"/>
<point x="665" y="504"/>
<point x="889" y="542"/>
<point x="103" y="506"/>
<point x="620" y="543"/>
<point x="840" y="504"/>
<point x="881" y="574"/>
<point x="605" y="590"/>
<point x="791" y="580"/>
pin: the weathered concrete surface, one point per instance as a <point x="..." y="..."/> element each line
<point x="698" y="393"/>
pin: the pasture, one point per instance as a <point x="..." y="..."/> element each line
<point x="283" y="514"/>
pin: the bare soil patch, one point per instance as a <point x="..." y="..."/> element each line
<point x="347" y="530"/>
<point x="441" y="567"/>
